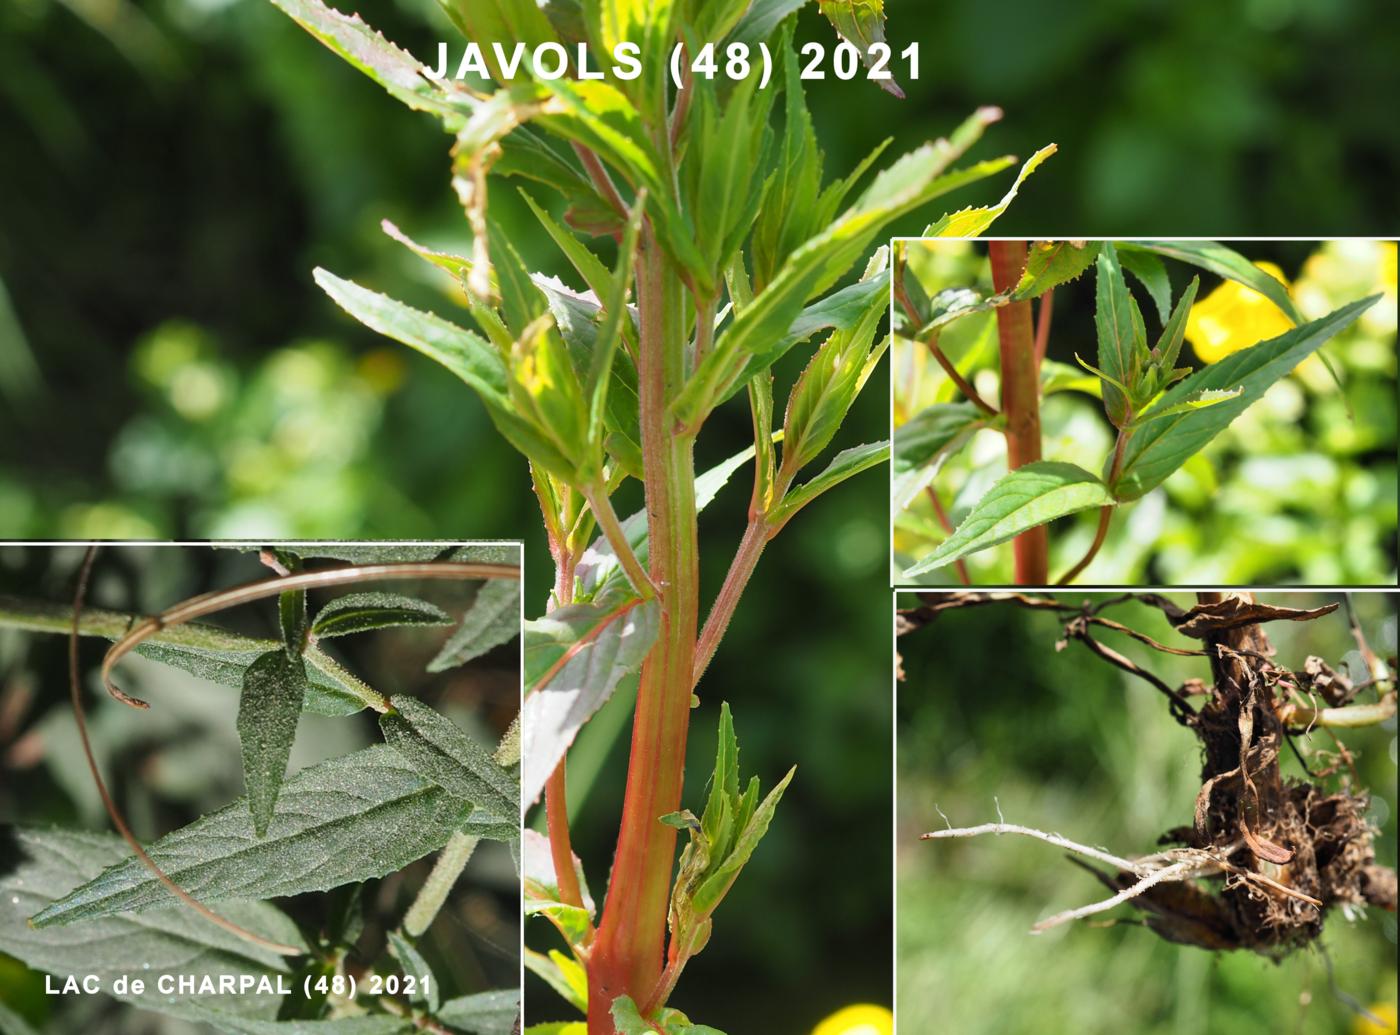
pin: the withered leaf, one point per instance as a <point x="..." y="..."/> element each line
<point x="1205" y="620"/>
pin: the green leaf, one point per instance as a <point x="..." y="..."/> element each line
<point x="1196" y="401"/>
<point x="1122" y="341"/>
<point x="574" y="658"/>
<point x="394" y="69"/>
<point x="844" y="465"/>
<point x="12" y="1023"/>
<point x="1152" y="274"/>
<point x="273" y="689"/>
<point x="417" y="552"/>
<point x="436" y="748"/>
<point x="827" y="388"/>
<point x="492" y="619"/>
<point x="925" y="441"/>
<point x="1061" y="377"/>
<point x="861" y="23"/>
<point x="500" y="22"/>
<point x="1161" y="446"/>
<point x="1174" y="331"/>
<point x="174" y="939"/>
<point x="1052" y="263"/>
<point x="415" y="966"/>
<point x="1225" y="262"/>
<point x="350" y="819"/>
<point x="540" y="886"/>
<point x="486" y="1013"/>
<point x="563" y="974"/>
<point x="1027" y="497"/>
<point x="361" y="612"/>
<point x="558" y="1027"/>
<point x="973" y="222"/>
<point x="326" y="693"/>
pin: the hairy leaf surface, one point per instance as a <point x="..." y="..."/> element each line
<point x="268" y="709"/>
<point x="486" y="1013"/>
<point x="349" y="819"/>
<point x="437" y="748"/>
<point x="492" y="619"/>
<point x="361" y="612"/>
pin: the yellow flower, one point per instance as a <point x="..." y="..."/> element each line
<point x="863" y="1019"/>
<point x="1384" y="1012"/>
<point x="1234" y="317"/>
<point x="1388" y="250"/>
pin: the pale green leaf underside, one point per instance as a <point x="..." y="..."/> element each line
<point x="170" y="940"/>
<point x="492" y="619"/>
<point x="362" y="612"/>
<point x="1159" y="447"/>
<point x="574" y="659"/>
<point x="346" y="820"/>
<point x="1027" y="497"/>
<point x="922" y="444"/>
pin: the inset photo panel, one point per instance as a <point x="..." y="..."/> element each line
<point x="1135" y="413"/>
<point x="1146" y="812"/>
<point x="256" y="787"/>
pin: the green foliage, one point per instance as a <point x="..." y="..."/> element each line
<point x="1029" y="496"/>
<point x="274" y="687"/>
<point x="82" y="903"/>
<point x="1163" y="414"/>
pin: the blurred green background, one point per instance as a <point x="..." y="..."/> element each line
<point x="1301" y="488"/>
<point x="179" y="760"/>
<point x="990" y="713"/>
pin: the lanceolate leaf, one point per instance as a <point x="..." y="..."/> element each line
<point x="1161" y="446"/>
<point x="846" y="464"/>
<point x="1225" y="262"/>
<point x="492" y="619"/>
<point x="1029" y="496"/>
<point x="395" y="70"/>
<point x="326" y="694"/>
<point x="437" y="748"/>
<point x="1118" y="323"/>
<point x="924" y="442"/>
<point x="361" y="612"/>
<point x="486" y="1013"/>
<point x="1150" y="271"/>
<point x="346" y="820"/>
<point x="574" y="659"/>
<point x="1196" y="401"/>
<point x="273" y="689"/>
<point x="973" y="222"/>
<point x="414" y="966"/>
<point x="861" y="23"/>
<point x="173" y="940"/>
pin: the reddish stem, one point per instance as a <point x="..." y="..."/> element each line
<point x="556" y="807"/>
<point x="1020" y="397"/>
<point x="947" y="523"/>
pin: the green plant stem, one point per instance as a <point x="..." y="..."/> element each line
<point x="628" y="954"/>
<point x="451" y="861"/>
<point x="1020" y="398"/>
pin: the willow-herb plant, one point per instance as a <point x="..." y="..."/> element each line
<point x="731" y="250"/>
<point x="1162" y="414"/>
<point x="197" y="903"/>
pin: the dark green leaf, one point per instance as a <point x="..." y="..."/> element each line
<point x="492" y="619"/>
<point x="426" y="990"/>
<point x="349" y="819"/>
<point x="1152" y="274"/>
<point x="374" y="1025"/>
<point x="170" y="940"/>
<point x="1120" y="343"/>
<point x="1225" y="262"/>
<point x="438" y="749"/>
<point x="1029" y="496"/>
<point x="925" y="441"/>
<point x="274" y="687"/>
<point x="1159" y="447"/>
<point x="361" y="612"/>
<point x="326" y="693"/>
<point x="486" y="1013"/>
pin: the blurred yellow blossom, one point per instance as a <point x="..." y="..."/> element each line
<point x="1388" y="251"/>
<point x="1384" y="1012"/>
<point x="862" y="1019"/>
<point x="1234" y="317"/>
